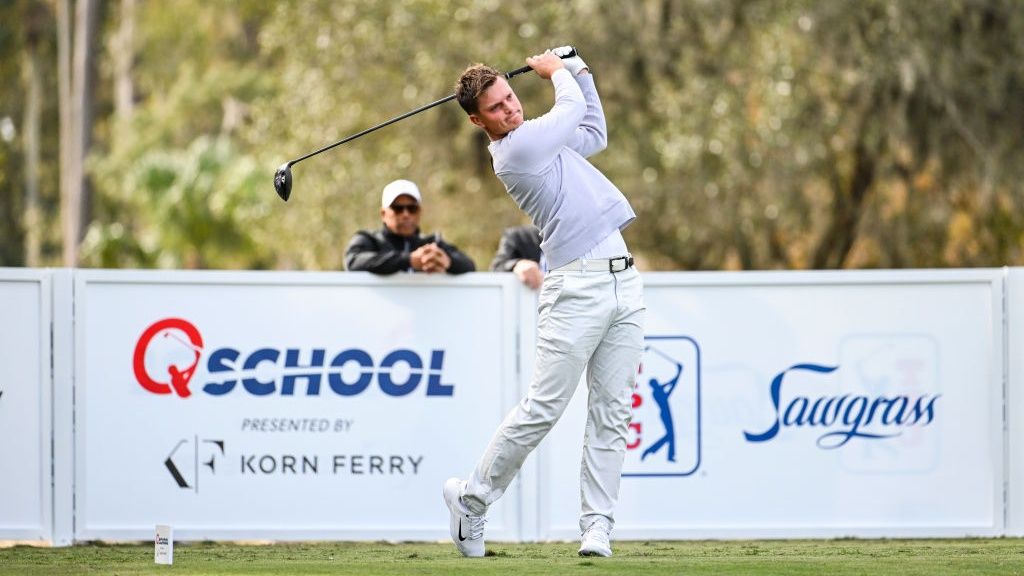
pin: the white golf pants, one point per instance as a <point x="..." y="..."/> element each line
<point x="586" y="319"/>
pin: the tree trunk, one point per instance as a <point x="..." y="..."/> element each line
<point x="847" y="207"/>
<point x="30" y="130"/>
<point x="66" y="136"/>
<point x="34" y="16"/>
<point x="76" y="133"/>
<point x="122" y="52"/>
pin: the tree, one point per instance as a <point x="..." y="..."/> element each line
<point x="177" y="191"/>
<point x="748" y="134"/>
<point x="76" y="76"/>
<point x="32" y="75"/>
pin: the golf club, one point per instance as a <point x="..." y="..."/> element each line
<point x="661" y="353"/>
<point x="283" y="175"/>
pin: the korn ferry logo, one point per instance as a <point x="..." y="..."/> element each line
<point x="169" y="354"/>
<point x="190" y="457"/>
<point x="665" y="432"/>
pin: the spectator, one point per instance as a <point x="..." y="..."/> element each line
<point x="398" y="246"/>
<point x="519" y="252"/>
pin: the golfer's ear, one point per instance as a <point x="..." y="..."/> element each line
<point x="476" y="120"/>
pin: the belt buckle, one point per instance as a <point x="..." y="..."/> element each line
<point x="625" y="263"/>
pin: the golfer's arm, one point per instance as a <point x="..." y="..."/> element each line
<point x="591" y="136"/>
<point x="539" y="140"/>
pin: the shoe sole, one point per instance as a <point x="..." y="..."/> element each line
<point x="593" y="553"/>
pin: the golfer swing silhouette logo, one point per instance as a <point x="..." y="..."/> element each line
<point x="660" y="392"/>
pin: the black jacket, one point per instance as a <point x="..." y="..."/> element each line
<point x="384" y="252"/>
<point x="517" y="243"/>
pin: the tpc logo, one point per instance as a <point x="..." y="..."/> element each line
<point x="665" y="432"/>
<point x="168" y="354"/>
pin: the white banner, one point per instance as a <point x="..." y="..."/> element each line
<point x="286" y="406"/>
<point x="1015" y="402"/>
<point x="805" y="404"/>
<point x="25" y="395"/>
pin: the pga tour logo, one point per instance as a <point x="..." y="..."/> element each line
<point x="665" y="432"/>
<point x="170" y="352"/>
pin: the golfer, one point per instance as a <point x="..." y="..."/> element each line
<point x="590" y="307"/>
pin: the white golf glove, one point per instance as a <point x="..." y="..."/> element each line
<point x="574" y="65"/>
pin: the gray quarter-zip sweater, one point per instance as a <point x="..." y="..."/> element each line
<point x="544" y="168"/>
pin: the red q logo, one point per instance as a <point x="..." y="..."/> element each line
<point x="182" y="352"/>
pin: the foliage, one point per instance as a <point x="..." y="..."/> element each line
<point x="191" y="209"/>
<point x="34" y="32"/>
<point x="748" y="134"/>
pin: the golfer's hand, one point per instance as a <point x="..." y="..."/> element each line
<point x="545" y="64"/>
<point x="575" y="65"/>
<point x="528" y="273"/>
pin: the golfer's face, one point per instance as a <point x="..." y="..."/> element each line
<point x="499" y="110"/>
<point x="403" y="216"/>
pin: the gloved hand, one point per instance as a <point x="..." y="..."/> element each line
<point x="574" y="65"/>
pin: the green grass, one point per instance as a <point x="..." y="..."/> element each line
<point x="789" y="557"/>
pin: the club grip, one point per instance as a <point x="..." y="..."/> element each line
<point x="519" y="71"/>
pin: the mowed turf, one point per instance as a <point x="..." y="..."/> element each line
<point x="790" y="557"/>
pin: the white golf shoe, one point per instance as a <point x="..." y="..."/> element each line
<point x="466" y="529"/>
<point x="595" y="541"/>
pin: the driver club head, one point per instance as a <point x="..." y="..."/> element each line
<point x="283" y="181"/>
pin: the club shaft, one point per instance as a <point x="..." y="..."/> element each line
<point x="377" y="127"/>
<point x="509" y="75"/>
